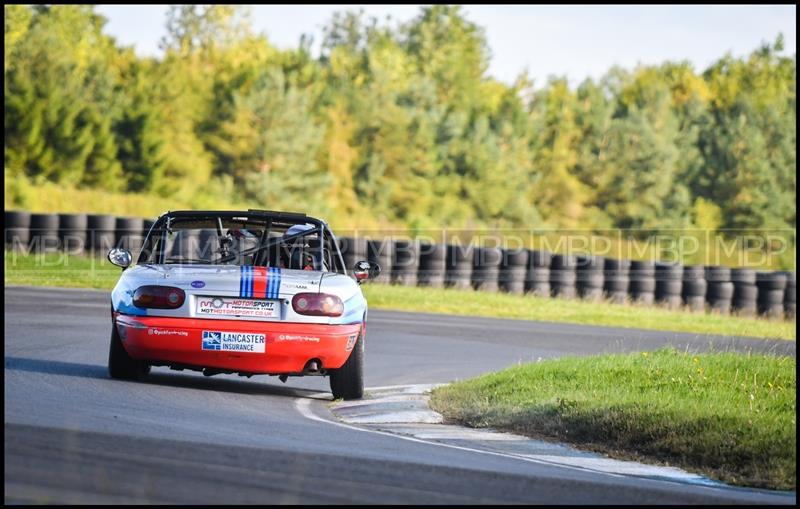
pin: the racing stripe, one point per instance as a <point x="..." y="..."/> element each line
<point x="250" y="281"/>
<point x="272" y="280"/>
<point x="277" y="288"/>
<point x="241" y="280"/>
<point x="259" y="282"/>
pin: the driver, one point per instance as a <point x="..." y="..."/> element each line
<point x="301" y="257"/>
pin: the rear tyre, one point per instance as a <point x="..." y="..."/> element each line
<point x="120" y="364"/>
<point x="347" y="382"/>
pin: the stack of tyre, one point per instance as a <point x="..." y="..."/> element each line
<point x="431" y="265"/>
<point x="354" y="249"/>
<point x="101" y="232"/>
<point x="406" y="262"/>
<point x="694" y="287"/>
<point x="537" y="275"/>
<point x="790" y="295"/>
<point x="72" y="232"/>
<point x="486" y="268"/>
<point x="18" y="233"/>
<point x="380" y="252"/>
<point x="616" y="279"/>
<point x="513" y="269"/>
<point x="44" y="232"/>
<point x="669" y="284"/>
<point x="642" y="281"/>
<point x="771" y="293"/>
<point x="720" y="288"/>
<point x="458" y="265"/>
<point x="589" y="273"/>
<point x="563" y="276"/>
<point x="745" y="292"/>
<point x="128" y="233"/>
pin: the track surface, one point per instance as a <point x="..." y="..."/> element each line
<point x="73" y="435"/>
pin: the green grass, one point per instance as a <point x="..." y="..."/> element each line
<point x="726" y="415"/>
<point x="85" y="272"/>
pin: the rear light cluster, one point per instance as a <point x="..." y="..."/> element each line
<point x="158" y="297"/>
<point x="317" y="304"/>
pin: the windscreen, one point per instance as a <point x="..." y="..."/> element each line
<point x="238" y="241"/>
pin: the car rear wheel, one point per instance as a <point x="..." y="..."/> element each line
<point x="347" y="382"/>
<point x="120" y="364"/>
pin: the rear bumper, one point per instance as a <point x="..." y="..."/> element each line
<point x="257" y="347"/>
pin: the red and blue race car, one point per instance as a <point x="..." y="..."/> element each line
<point x="255" y="292"/>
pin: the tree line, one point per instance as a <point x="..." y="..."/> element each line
<point x="396" y="122"/>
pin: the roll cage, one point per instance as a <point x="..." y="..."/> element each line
<point x="156" y="238"/>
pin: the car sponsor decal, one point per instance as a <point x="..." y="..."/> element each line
<point x="166" y="332"/>
<point x="226" y="306"/>
<point x="233" y="341"/>
<point x="297" y="337"/>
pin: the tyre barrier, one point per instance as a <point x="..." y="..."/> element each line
<point x="616" y="279"/>
<point x="563" y="276"/>
<point x="354" y="249"/>
<point x="44" y="232"/>
<point x="694" y="287"/>
<point x="719" y="295"/>
<point x="380" y="252"/>
<point x="17" y="226"/>
<point x="745" y="292"/>
<point x="589" y="276"/>
<point x="128" y="234"/>
<point x="486" y="268"/>
<point x="72" y="232"/>
<point x="742" y="291"/>
<point x="790" y="295"/>
<point x="431" y="265"/>
<point x="406" y="262"/>
<point x="458" y="266"/>
<point x="771" y="292"/>
<point x="513" y="269"/>
<point x="537" y="276"/>
<point x="669" y="284"/>
<point x="642" y="276"/>
<point x="100" y="232"/>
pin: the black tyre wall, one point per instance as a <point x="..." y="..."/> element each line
<point x="17" y="226"/>
<point x="380" y="252"/>
<point x="458" y="266"/>
<point x="72" y="232"/>
<point x="406" y="262"/>
<point x="431" y="265"/>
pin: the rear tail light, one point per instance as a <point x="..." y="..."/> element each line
<point x="317" y="304"/>
<point x="158" y="297"/>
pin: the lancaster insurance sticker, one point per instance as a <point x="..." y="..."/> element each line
<point x="233" y="341"/>
<point x="222" y="306"/>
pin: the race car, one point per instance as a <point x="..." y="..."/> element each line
<point x="246" y="292"/>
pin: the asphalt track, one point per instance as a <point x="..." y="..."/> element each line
<point x="72" y="435"/>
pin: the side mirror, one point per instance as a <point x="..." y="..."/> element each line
<point x="120" y="257"/>
<point x="364" y="270"/>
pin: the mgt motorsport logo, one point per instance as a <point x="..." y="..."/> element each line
<point x="212" y="340"/>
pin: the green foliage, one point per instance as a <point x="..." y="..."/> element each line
<point x="396" y="125"/>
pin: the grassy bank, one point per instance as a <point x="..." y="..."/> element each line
<point x="729" y="416"/>
<point x="85" y="272"/>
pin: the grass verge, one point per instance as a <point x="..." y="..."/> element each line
<point x="726" y="415"/>
<point x="85" y="272"/>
